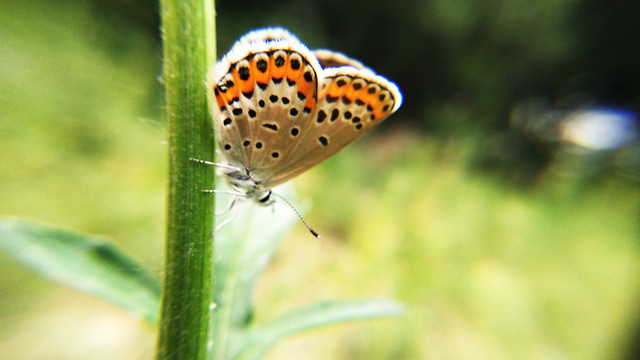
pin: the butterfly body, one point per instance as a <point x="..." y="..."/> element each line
<point x="280" y="109"/>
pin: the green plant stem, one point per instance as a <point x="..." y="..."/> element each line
<point x="188" y="50"/>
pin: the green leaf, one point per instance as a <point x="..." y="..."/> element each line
<point x="243" y="248"/>
<point x="257" y="340"/>
<point x="91" y="264"/>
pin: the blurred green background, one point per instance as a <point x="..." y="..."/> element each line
<point x="500" y="203"/>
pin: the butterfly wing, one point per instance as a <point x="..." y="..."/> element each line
<point x="277" y="112"/>
<point x="263" y="93"/>
<point x="351" y="100"/>
<point x="329" y="59"/>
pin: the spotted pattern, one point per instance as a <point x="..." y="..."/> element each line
<point x="258" y="70"/>
<point x="278" y="112"/>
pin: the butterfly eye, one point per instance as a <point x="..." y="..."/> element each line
<point x="265" y="198"/>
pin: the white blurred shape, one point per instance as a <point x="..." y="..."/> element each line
<point x="600" y="129"/>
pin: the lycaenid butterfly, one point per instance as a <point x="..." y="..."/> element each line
<point x="279" y="109"/>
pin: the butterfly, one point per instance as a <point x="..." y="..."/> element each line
<point x="279" y="108"/>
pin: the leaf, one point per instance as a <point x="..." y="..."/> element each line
<point x="256" y="341"/>
<point x="91" y="264"/>
<point x="243" y="248"/>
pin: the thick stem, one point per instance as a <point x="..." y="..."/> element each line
<point x="188" y="50"/>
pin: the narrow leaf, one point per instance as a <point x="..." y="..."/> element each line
<point x="91" y="264"/>
<point x="243" y="247"/>
<point x="256" y="341"/>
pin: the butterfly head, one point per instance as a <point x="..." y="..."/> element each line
<point x="241" y="180"/>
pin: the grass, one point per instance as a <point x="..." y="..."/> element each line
<point x="487" y="271"/>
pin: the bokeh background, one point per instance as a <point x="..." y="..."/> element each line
<point x="500" y="204"/>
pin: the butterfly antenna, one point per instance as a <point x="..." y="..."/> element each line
<point x="313" y="232"/>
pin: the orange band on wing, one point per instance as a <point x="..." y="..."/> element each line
<point x="244" y="78"/>
<point x="305" y="88"/>
<point x="351" y="93"/>
<point x="226" y="92"/>
<point x="261" y="77"/>
<point x="293" y="74"/>
<point x="335" y="90"/>
<point x="311" y="102"/>
<point x="278" y="71"/>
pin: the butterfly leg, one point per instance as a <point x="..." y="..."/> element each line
<point x="230" y="206"/>
<point x="226" y="221"/>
